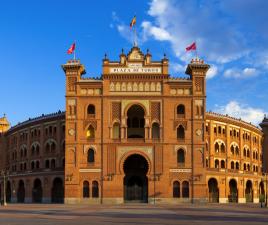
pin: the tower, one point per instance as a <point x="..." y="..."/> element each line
<point x="264" y="126"/>
<point x="197" y="70"/>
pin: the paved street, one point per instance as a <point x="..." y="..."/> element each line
<point x="15" y="214"/>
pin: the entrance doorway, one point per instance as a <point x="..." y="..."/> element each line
<point x="21" y="192"/>
<point x="249" y="191"/>
<point x="213" y="190"/>
<point x="233" y="197"/>
<point x="57" y="191"/>
<point x="135" y="180"/>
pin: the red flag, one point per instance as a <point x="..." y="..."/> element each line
<point x="133" y="22"/>
<point x="71" y="49"/>
<point x="191" y="47"/>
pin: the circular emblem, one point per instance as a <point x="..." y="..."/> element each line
<point x="71" y="132"/>
<point x="198" y="132"/>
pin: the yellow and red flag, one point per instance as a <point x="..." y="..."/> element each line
<point x="133" y="22"/>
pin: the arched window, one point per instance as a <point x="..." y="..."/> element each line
<point x="232" y="150"/>
<point x="176" y="189"/>
<point x="222" y="164"/>
<point x="95" y="189"/>
<point x="47" y="164"/>
<point x="37" y="165"/>
<point x="90" y="156"/>
<point x="248" y="153"/>
<point x="232" y="165"/>
<point x="155" y="131"/>
<point x="90" y="132"/>
<point x="91" y="110"/>
<point x="37" y="149"/>
<point x="216" y="163"/>
<point x="32" y="150"/>
<point x="180" y="111"/>
<point x="53" y="164"/>
<point x="47" y="148"/>
<point x="217" y="147"/>
<point x="53" y="147"/>
<point x="248" y="167"/>
<point x="85" y="189"/>
<point x="219" y="129"/>
<point x="237" y="165"/>
<point x="245" y="152"/>
<point x="245" y="166"/>
<point x="253" y="155"/>
<point x="32" y="165"/>
<point x="236" y="150"/>
<point x="180" y="157"/>
<point x="222" y="148"/>
<point x="185" y="189"/>
<point x="116" y="131"/>
<point x="180" y="132"/>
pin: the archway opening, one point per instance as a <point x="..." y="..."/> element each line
<point x="57" y="191"/>
<point x="135" y="122"/>
<point x="233" y="196"/>
<point x="21" y="192"/>
<point x="37" y="191"/>
<point x="8" y="192"/>
<point x="213" y="190"/>
<point x="249" y="191"/>
<point x="135" y="180"/>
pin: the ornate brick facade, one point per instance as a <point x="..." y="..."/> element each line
<point x="134" y="135"/>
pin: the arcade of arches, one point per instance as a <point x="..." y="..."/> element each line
<point x="34" y="191"/>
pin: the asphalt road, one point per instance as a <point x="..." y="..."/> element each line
<point x="27" y="214"/>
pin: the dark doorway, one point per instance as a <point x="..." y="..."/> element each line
<point x="249" y="191"/>
<point x="21" y="192"/>
<point x="37" y="191"/>
<point x="233" y="197"/>
<point x="135" y="180"/>
<point x="213" y="190"/>
<point x="57" y="191"/>
<point x="8" y="192"/>
<point x="135" y="122"/>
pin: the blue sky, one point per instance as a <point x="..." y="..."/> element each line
<point x="231" y="36"/>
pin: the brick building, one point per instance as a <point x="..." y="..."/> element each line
<point x="135" y="135"/>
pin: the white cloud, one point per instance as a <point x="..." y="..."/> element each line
<point x="182" y="22"/>
<point x="245" y="112"/>
<point x="212" y="72"/>
<point x="238" y="73"/>
<point x="178" y="68"/>
<point x="157" y="32"/>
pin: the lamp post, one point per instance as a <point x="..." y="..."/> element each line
<point x="266" y="190"/>
<point x="4" y="175"/>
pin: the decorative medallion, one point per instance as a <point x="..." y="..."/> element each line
<point x="71" y="132"/>
<point x="198" y="132"/>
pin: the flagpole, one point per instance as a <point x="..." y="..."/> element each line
<point x="196" y="55"/>
<point x="74" y="54"/>
<point x="135" y="36"/>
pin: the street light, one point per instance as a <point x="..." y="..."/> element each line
<point x="4" y="175"/>
<point x="266" y="190"/>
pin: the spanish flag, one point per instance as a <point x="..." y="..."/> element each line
<point x="133" y="22"/>
<point x="71" y="49"/>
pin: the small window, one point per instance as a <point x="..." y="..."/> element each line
<point x="180" y="110"/>
<point x="95" y="189"/>
<point x="116" y="131"/>
<point x="176" y="189"/>
<point x="91" y="110"/>
<point x="180" y="132"/>
<point x="90" y="156"/>
<point x="53" y="164"/>
<point x="180" y="156"/>
<point x="90" y="132"/>
<point x="86" y="189"/>
<point x="232" y="165"/>
<point x="185" y="189"/>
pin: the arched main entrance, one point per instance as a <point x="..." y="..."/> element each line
<point x="233" y="196"/>
<point x="21" y="192"/>
<point x="135" y="180"/>
<point x="37" y="191"/>
<point x="213" y="190"/>
<point x="249" y="191"/>
<point x="57" y="191"/>
<point x="135" y="122"/>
